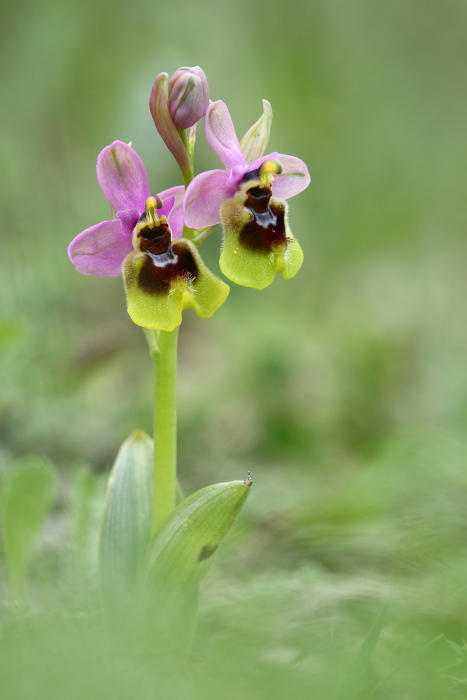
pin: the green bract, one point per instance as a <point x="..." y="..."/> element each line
<point x="183" y="549"/>
<point x="180" y="556"/>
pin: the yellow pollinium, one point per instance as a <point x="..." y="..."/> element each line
<point x="267" y="171"/>
<point x="153" y="203"/>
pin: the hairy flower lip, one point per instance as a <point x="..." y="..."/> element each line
<point x="160" y="287"/>
<point x="266" y="230"/>
<point x="257" y="245"/>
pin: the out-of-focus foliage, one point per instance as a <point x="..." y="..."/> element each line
<point x="344" y="390"/>
<point x="26" y="496"/>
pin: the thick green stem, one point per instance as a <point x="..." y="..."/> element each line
<point x="165" y="428"/>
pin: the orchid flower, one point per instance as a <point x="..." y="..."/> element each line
<point x="248" y="199"/>
<point x="162" y="277"/>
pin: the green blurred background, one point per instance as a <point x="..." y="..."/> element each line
<point x="344" y="390"/>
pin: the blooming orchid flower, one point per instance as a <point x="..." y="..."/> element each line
<point x="248" y="199"/>
<point x="162" y="277"/>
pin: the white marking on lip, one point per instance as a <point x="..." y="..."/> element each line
<point x="158" y="262"/>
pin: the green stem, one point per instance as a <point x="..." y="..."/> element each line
<point x="201" y="234"/>
<point x="188" y="175"/>
<point x="163" y="348"/>
<point x="165" y="428"/>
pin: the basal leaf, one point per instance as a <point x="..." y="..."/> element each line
<point x="126" y="524"/>
<point x="180" y="555"/>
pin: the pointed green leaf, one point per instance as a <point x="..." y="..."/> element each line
<point x="26" y="498"/>
<point x="126" y="524"/>
<point x="182" y="551"/>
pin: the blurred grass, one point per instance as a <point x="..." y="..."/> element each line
<point x="344" y="390"/>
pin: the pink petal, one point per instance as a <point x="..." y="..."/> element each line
<point x="221" y="136"/>
<point x="294" y="177"/>
<point x="205" y="195"/>
<point x="129" y="220"/>
<point x="167" y="206"/>
<point x="259" y="161"/>
<point x="101" y="249"/>
<point x="237" y="173"/>
<point x="122" y="177"/>
<point x="176" y="215"/>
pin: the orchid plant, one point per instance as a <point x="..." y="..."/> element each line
<point x="153" y="241"/>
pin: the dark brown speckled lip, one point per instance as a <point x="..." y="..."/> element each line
<point x="266" y="231"/>
<point x="159" y="271"/>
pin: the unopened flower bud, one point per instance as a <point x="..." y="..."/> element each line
<point x="188" y="96"/>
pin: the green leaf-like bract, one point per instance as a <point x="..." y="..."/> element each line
<point x="182" y="551"/>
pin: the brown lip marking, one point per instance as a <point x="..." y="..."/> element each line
<point x="266" y="230"/>
<point x="176" y="263"/>
<point x="155" y="240"/>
